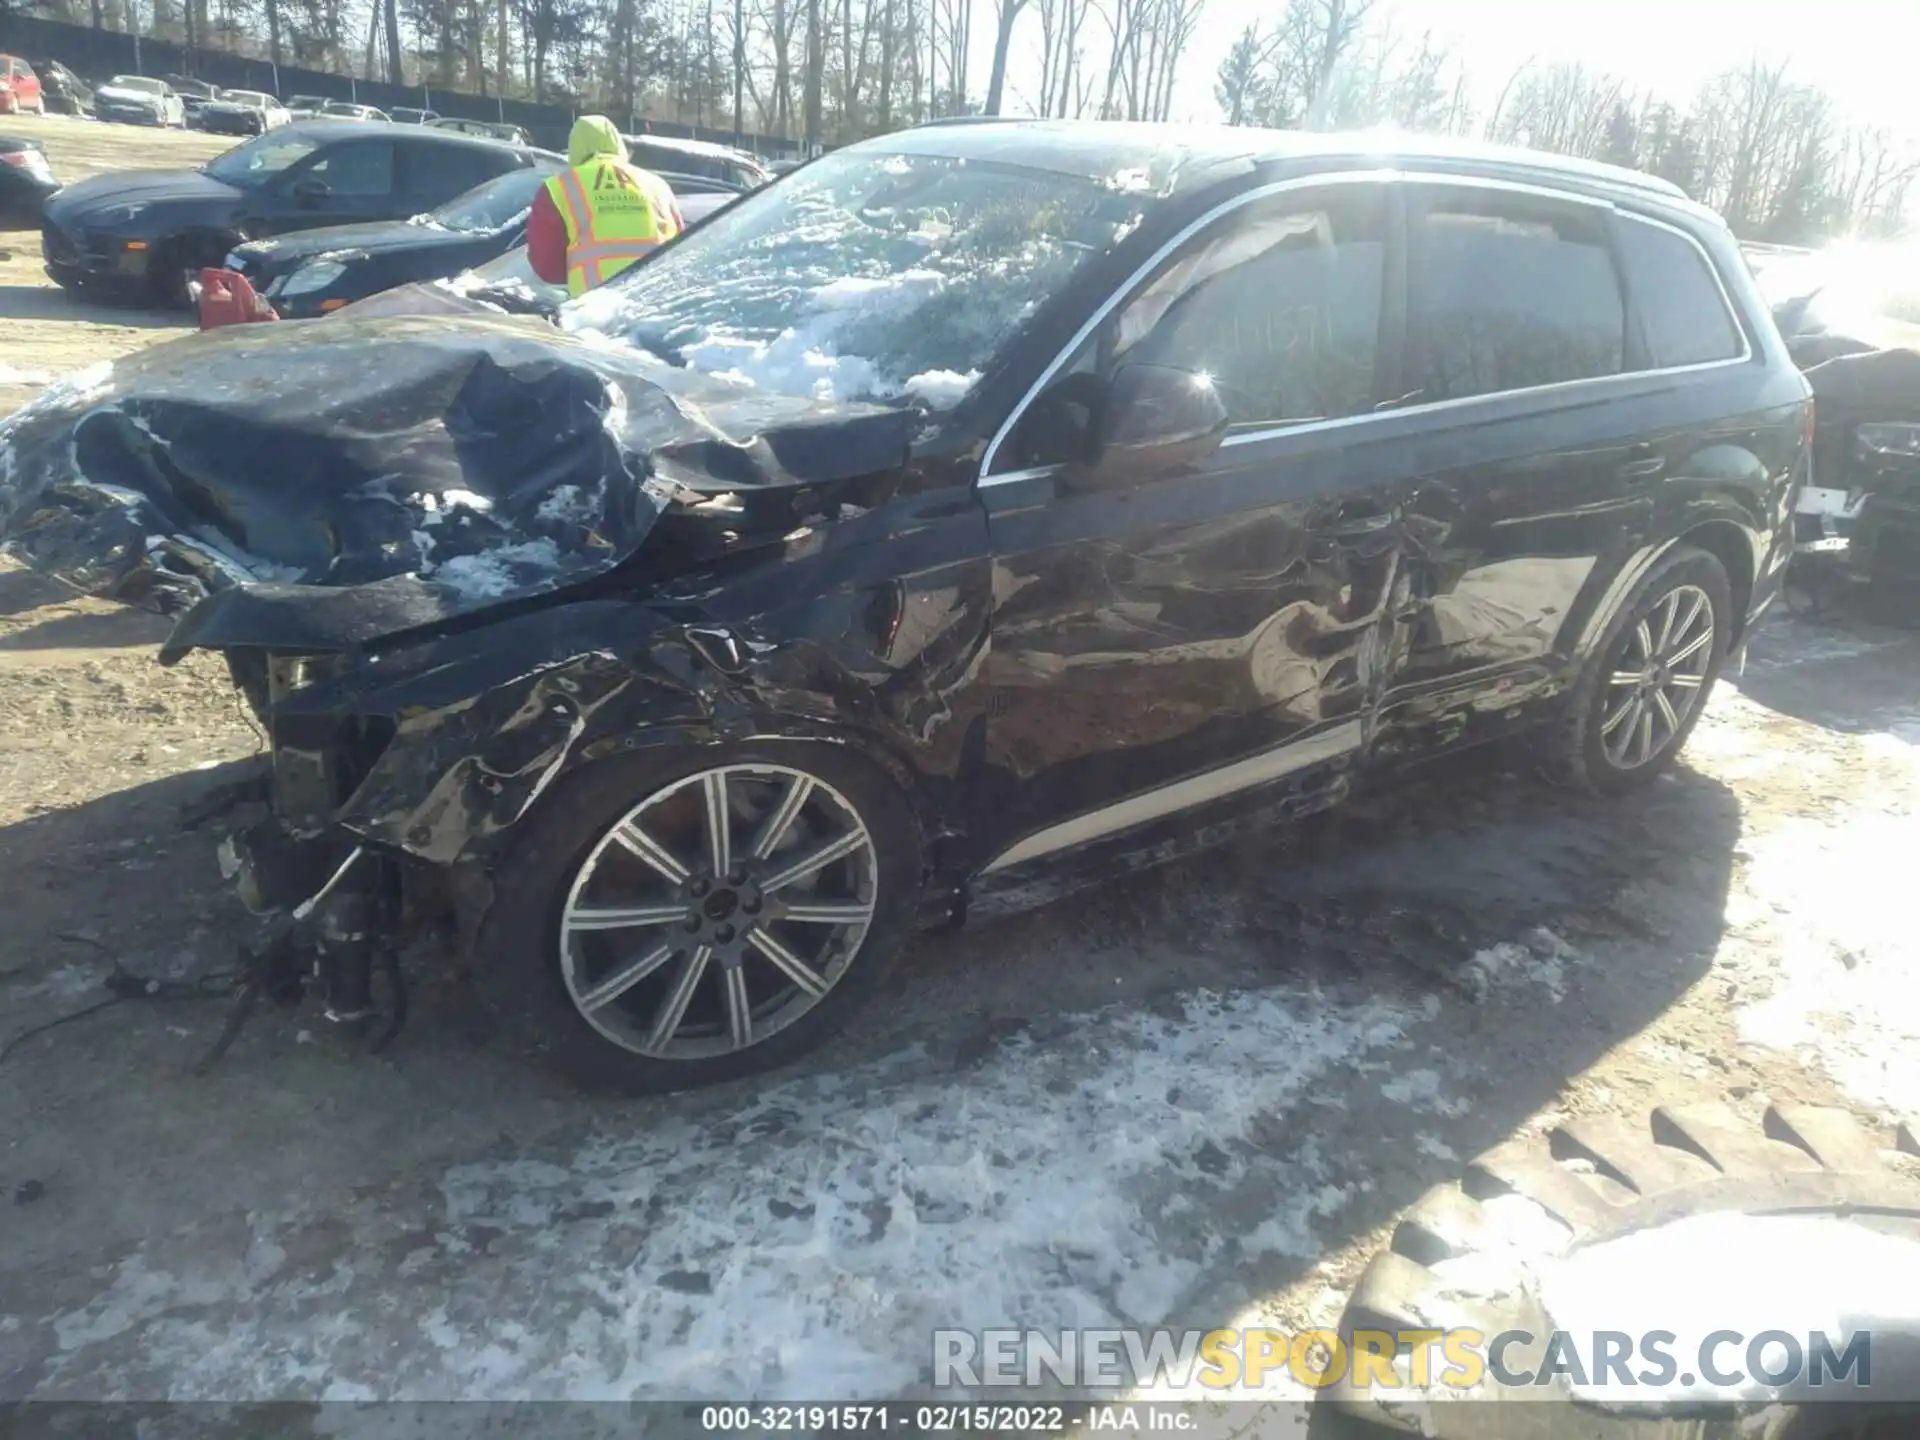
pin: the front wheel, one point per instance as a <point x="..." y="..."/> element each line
<point x="1647" y="683"/>
<point x="675" y="919"/>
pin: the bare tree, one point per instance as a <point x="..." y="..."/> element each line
<point x="1006" y="12"/>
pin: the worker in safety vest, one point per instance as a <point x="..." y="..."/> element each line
<point x="597" y="217"/>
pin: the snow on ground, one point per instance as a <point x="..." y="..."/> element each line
<point x="805" y="1246"/>
<point x="1839" y="927"/>
<point x="1820" y="926"/>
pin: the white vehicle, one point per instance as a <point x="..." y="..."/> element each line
<point x="140" y="100"/>
<point x="243" y="112"/>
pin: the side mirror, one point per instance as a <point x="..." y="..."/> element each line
<point x="310" y="190"/>
<point x="1151" y="421"/>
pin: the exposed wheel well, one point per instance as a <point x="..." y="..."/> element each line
<point x="1728" y="544"/>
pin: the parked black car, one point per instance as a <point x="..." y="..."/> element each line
<point x="242" y="112"/>
<point x="26" y="179"/>
<point x="317" y="271"/>
<point x="147" y="231"/>
<point x="64" y="92"/>
<point x="194" y="94"/>
<point x="978" y="511"/>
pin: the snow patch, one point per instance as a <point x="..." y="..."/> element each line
<point x="1421" y="1089"/>
<point x="10" y="375"/>
<point x="1539" y="961"/>
<point x="942" y="389"/>
<point x="501" y="570"/>
<point x="878" y="1204"/>
<point x="1834" y="948"/>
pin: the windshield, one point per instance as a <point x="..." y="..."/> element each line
<point x="253" y="99"/>
<point x="340" y="107"/>
<point x="137" y="82"/>
<point x="867" y="276"/>
<point x="256" y="161"/>
<point x="494" y="205"/>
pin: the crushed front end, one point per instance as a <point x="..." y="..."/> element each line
<point x="428" y="549"/>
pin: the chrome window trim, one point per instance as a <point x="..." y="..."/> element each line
<point x="1306" y="427"/>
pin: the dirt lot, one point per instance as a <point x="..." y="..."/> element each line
<point x="1197" y="1099"/>
<point x="42" y="333"/>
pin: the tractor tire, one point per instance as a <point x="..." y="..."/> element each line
<point x="1459" y="1259"/>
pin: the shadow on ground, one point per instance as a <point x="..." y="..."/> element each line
<point x="75" y="630"/>
<point x="1392" y="906"/>
<point x="50" y="302"/>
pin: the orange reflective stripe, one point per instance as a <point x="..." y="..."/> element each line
<point x="616" y="249"/>
<point x="579" y="214"/>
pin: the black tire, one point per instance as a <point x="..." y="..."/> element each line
<point x="517" y="947"/>
<point x="1602" y="1179"/>
<point x="1575" y="751"/>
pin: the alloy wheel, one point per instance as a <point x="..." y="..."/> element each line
<point x="718" y="911"/>
<point x="1658" y="677"/>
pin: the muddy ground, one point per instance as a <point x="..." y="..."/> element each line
<point x="1193" y="1100"/>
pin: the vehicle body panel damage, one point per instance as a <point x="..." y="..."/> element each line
<point x="448" y="564"/>
<point x="924" y="532"/>
<point x="487" y="459"/>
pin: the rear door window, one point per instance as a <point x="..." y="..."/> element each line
<point x="436" y="173"/>
<point x="361" y="170"/>
<point x="1506" y="292"/>
<point x="1682" y="309"/>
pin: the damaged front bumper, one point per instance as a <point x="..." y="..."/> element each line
<point x="395" y="774"/>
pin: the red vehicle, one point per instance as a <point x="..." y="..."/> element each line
<point x="19" y="88"/>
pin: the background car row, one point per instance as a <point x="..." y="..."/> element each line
<point x="377" y="205"/>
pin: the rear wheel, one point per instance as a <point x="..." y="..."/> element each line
<point x="676" y="919"/>
<point x="1648" y="681"/>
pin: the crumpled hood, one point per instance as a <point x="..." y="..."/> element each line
<point x="433" y="466"/>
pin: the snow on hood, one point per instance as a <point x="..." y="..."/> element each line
<point x="454" y="461"/>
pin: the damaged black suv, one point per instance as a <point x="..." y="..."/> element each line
<point x="977" y="511"/>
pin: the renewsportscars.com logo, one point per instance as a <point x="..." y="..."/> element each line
<point x="1461" y="1359"/>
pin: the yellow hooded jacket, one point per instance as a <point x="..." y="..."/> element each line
<point x="614" y="211"/>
